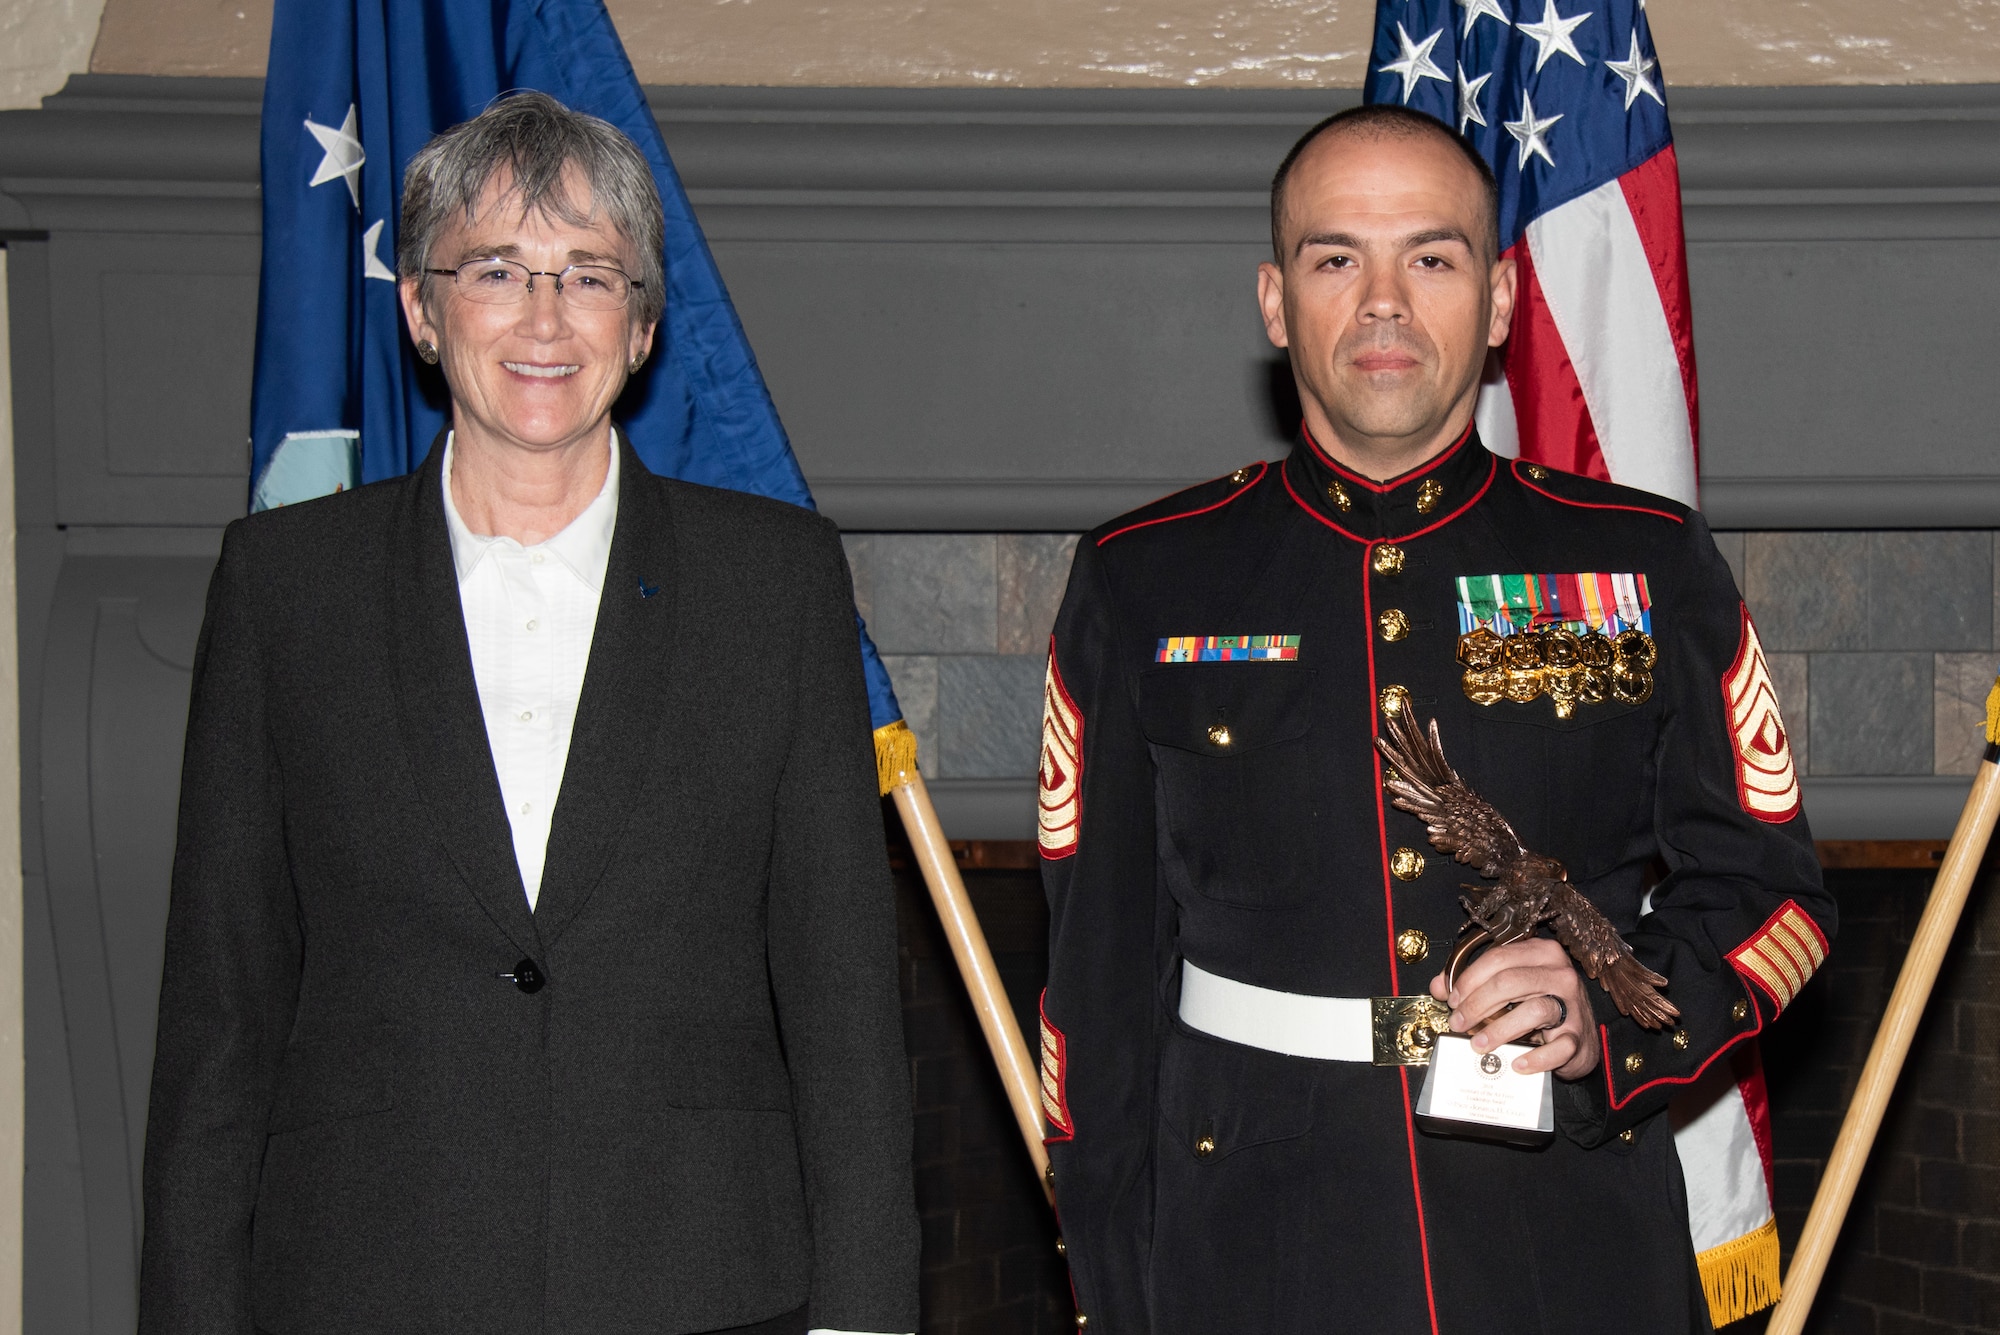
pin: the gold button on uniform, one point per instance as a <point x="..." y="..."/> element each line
<point x="1388" y="559"/>
<point x="1537" y="472"/>
<point x="1240" y="476"/>
<point x="1406" y="864"/>
<point x="1219" y="734"/>
<point x="1740" y="1011"/>
<point x="1681" y="1039"/>
<point x="1338" y="495"/>
<point x="1411" y="946"/>
<point x="1394" y="700"/>
<point x="1634" y="1063"/>
<point x="1429" y="495"/>
<point x="1204" y="1147"/>
<point x="1392" y="624"/>
<point x="1628" y="1135"/>
<point x="1081" y="1321"/>
<point x="1062" y="1248"/>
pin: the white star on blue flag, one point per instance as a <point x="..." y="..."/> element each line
<point x="344" y="155"/>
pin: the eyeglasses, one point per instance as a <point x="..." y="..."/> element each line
<point x="498" y="282"/>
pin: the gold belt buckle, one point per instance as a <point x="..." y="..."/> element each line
<point x="1405" y="1028"/>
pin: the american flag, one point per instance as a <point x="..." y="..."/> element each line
<point x="1564" y="99"/>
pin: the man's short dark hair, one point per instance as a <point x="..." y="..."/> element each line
<point x="1384" y="119"/>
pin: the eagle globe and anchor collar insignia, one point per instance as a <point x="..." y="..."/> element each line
<point x="1579" y="639"/>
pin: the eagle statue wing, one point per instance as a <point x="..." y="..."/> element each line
<point x="1603" y="954"/>
<point x="1461" y="822"/>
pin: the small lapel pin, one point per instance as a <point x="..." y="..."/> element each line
<point x="647" y="590"/>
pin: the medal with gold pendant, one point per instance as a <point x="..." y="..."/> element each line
<point x="1481" y="652"/>
<point x="1524" y="666"/>
<point x="1562" y="668"/>
<point x="1632" y="666"/>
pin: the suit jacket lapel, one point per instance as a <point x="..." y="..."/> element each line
<point x="438" y="701"/>
<point x="619" y="714"/>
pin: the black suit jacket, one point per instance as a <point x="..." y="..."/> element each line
<point x="700" y="1119"/>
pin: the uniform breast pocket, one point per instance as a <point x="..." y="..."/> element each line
<point x="1231" y="746"/>
<point x="1580" y="789"/>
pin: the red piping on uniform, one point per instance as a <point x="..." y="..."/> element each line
<point x="1400" y="480"/>
<point x="1591" y="505"/>
<point x="1492" y="470"/>
<point x="1417" y="1190"/>
<point x="1604" y="1056"/>
<point x="1389" y="906"/>
<point x="1244" y="490"/>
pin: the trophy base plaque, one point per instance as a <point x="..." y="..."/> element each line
<point x="1480" y="1096"/>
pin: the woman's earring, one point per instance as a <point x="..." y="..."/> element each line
<point x="637" y="362"/>
<point x="427" y="352"/>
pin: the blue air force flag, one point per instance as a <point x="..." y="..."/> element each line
<point x="353" y="90"/>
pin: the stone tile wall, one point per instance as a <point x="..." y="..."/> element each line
<point x="1882" y="645"/>
<point x="962" y="621"/>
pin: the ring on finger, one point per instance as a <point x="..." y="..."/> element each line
<point x="1562" y="1012"/>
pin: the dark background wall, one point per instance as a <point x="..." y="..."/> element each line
<point x="989" y="318"/>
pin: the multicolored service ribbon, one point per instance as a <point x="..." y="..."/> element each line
<point x="1586" y="601"/>
<point x="1227" y="649"/>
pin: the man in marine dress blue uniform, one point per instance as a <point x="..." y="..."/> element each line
<point x="1219" y="851"/>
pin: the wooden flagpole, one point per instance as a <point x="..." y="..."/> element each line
<point x="896" y="765"/>
<point x="1892" y="1041"/>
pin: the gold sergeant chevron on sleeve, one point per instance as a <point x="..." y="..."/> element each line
<point x="1782" y="955"/>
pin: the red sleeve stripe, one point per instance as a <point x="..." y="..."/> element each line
<point x="1590" y="505"/>
<point x="1244" y="490"/>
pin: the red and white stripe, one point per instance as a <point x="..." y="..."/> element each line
<point x="1598" y="373"/>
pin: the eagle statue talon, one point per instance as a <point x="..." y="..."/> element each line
<point x="1531" y="888"/>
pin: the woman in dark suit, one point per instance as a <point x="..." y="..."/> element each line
<point x="531" y="960"/>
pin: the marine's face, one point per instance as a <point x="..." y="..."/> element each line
<point x="1386" y="299"/>
<point x="537" y="373"/>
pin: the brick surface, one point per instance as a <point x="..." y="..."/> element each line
<point x="1911" y="1235"/>
<point x="989" y="1259"/>
<point x="1928" y="1209"/>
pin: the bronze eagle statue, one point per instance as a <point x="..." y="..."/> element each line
<point x="1531" y="889"/>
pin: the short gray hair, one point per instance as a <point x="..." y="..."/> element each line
<point x="536" y="138"/>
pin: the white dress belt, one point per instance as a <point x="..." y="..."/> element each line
<point x="1339" y="1029"/>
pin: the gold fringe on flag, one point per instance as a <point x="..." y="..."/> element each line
<point x="1741" y="1277"/>
<point x="895" y="755"/>
<point x="1993" y="714"/>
